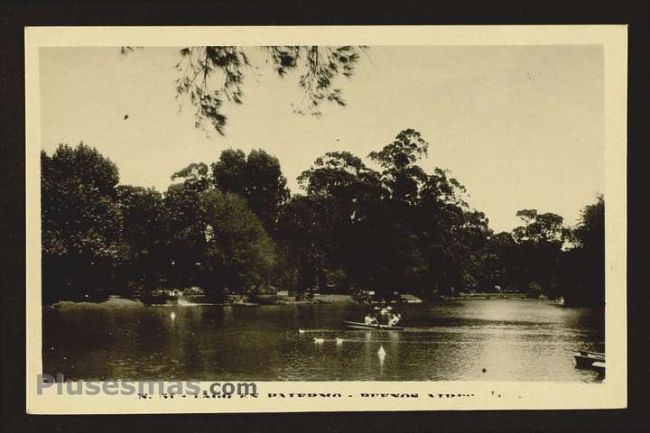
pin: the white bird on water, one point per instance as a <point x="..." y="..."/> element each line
<point x="319" y="340"/>
<point x="339" y="340"/>
<point x="173" y="316"/>
<point x="381" y="352"/>
<point x="301" y="331"/>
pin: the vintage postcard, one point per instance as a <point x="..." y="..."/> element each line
<point x="282" y="219"/>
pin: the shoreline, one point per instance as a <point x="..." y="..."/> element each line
<point x="272" y="300"/>
<point x="118" y="301"/>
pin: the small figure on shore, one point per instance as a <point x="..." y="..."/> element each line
<point x="394" y="319"/>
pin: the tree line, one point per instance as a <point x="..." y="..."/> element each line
<point x="381" y="223"/>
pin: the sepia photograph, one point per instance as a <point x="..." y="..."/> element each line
<point x="352" y="213"/>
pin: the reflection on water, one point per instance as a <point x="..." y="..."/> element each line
<point x="465" y="340"/>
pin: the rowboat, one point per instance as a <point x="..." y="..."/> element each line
<point x="586" y="359"/>
<point x="360" y="325"/>
<point x="599" y="366"/>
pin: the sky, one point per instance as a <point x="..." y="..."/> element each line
<point x="520" y="126"/>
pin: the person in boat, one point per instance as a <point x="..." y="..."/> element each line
<point x="370" y="319"/>
<point x="385" y="314"/>
<point x="394" y="319"/>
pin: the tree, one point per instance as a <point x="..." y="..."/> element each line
<point x="341" y="194"/>
<point x="239" y="255"/>
<point x="540" y="228"/>
<point x="540" y="242"/>
<point x="215" y="240"/>
<point x="341" y="175"/>
<point x="401" y="176"/>
<point x="590" y="233"/>
<point x="145" y="234"/>
<point x="395" y="230"/>
<point x="584" y="267"/>
<point x="454" y="236"/>
<point x="233" y="226"/>
<point x="305" y="229"/>
<point x="502" y="263"/>
<point x="186" y="240"/>
<point x="213" y="75"/>
<point x="257" y="178"/>
<point x="81" y="223"/>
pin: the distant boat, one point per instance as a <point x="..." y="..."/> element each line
<point x="599" y="366"/>
<point x="586" y="359"/>
<point x="360" y="325"/>
<point x="161" y="296"/>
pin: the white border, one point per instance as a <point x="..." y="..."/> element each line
<point x="486" y="395"/>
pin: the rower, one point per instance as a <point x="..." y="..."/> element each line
<point x="370" y="319"/>
<point x="385" y="314"/>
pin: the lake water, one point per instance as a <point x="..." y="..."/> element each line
<point x="520" y="340"/>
